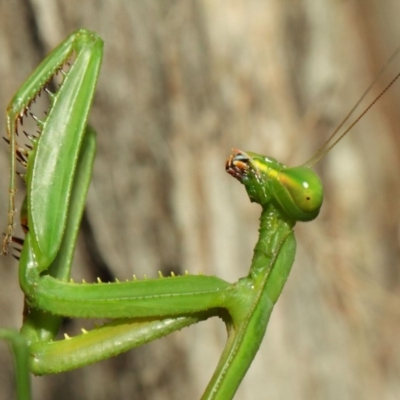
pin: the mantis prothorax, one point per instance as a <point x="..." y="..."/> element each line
<point x="58" y="172"/>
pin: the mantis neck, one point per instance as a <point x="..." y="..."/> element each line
<point x="273" y="231"/>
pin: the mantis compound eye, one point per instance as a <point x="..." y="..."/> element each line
<point x="299" y="193"/>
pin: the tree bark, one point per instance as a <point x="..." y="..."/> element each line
<point x="183" y="82"/>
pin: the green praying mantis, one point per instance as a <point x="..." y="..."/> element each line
<point x="58" y="165"/>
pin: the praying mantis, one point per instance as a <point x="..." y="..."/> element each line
<point x="58" y="170"/>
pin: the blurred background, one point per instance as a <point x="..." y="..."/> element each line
<point x="183" y="82"/>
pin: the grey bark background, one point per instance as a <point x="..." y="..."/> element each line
<point x="183" y="82"/>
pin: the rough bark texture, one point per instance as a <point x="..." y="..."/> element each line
<point x="182" y="82"/>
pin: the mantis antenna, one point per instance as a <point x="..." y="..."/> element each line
<point x="332" y="141"/>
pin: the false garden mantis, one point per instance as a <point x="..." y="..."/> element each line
<point x="58" y="170"/>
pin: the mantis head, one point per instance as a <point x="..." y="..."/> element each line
<point x="297" y="192"/>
